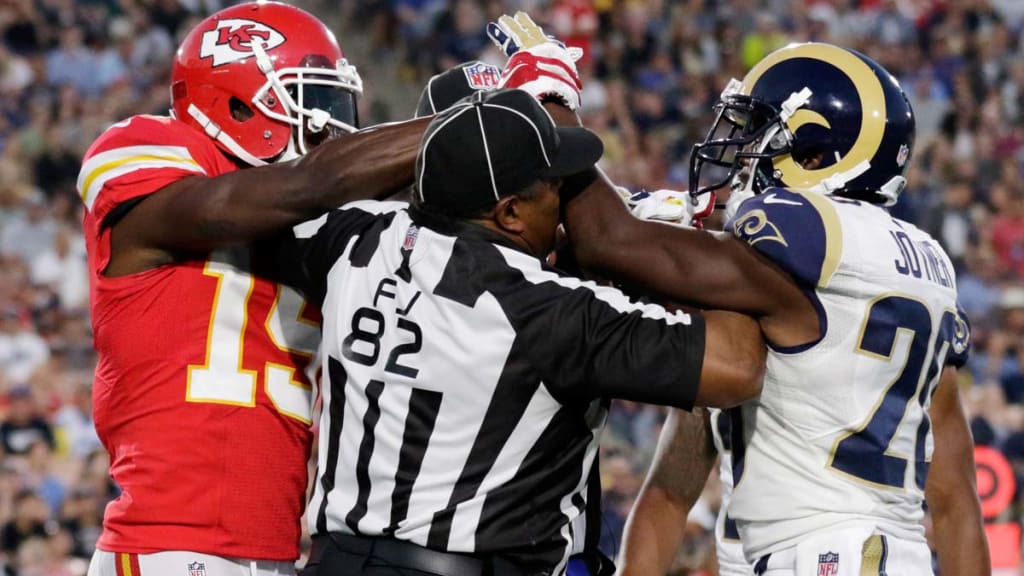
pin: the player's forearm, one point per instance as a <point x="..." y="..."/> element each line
<point x="680" y="468"/>
<point x="960" y="538"/>
<point x="605" y="237"/>
<point x="951" y="489"/>
<point x="594" y="218"/>
<point x="687" y="266"/>
<point x="597" y="222"/>
<point x="238" y="207"/>
<point x="653" y="533"/>
<point x="952" y="495"/>
<point x="603" y="234"/>
<point x="371" y="164"/>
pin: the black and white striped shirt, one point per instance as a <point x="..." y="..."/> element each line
<point x="461" y="383"/>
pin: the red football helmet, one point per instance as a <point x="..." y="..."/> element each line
<point x="265" y="80"/>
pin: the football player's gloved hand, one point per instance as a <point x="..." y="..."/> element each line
<point x="736" y="197"/>
<point x="538" y="64"/>
<point x="673" y="207"/>
<point x="523" y="32"/>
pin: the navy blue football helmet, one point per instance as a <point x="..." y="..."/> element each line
<point x="809" y="117"/>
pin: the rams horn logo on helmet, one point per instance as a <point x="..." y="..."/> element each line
<point x="872" y="105"/>
<point x="232" y="40"/>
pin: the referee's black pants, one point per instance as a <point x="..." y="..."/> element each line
<point x="346" y="555"/>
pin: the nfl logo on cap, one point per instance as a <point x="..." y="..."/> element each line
<point x="482" y="76"/>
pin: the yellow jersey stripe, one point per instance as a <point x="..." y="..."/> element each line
<point x="126" y="565"/>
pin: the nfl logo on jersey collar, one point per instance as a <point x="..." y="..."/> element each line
<point x="410" y="237"/>
<point x="828" y="564"/>
<point x="197" y="569"/>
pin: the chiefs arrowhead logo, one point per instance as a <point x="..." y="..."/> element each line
<point x="232" y="40"/>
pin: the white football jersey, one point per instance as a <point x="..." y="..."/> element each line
<point x="728" y="546"/>
<point x="840" y="434"/>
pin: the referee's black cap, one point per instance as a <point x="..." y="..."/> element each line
<point x="495" y="144"/>
<point x="456" y="83"/>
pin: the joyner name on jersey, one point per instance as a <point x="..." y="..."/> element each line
<point x="920" y="259"/>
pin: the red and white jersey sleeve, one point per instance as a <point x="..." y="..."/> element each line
<point x="133" y="159"/>
<point x="138" y="157"/>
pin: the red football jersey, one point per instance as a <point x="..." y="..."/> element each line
<point x="202" y="395"/>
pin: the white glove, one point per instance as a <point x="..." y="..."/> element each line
<point x="671" y="206"/>
<point x="538" y="64"/>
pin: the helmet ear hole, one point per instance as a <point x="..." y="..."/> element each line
<point x="179" y="90"/>
<point x="240" y="110"/>
<point x="804" y="151"/>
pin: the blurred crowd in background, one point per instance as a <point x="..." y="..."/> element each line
<point x="652" y="71"/>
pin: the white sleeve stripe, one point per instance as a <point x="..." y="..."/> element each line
<point x="97" y="161"/>
<point x="96" y="181"/>
<point x="125" y="155"/>
<point x="533" y="273"/>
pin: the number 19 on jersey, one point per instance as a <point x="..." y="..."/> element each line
<point x="222" y="379"/>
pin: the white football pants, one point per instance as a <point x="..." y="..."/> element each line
<point x="183" y="564"/>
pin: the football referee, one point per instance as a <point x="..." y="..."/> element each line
<point x="461" y="371"/>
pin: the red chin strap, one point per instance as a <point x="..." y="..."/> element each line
<point x="708" y="199"/>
